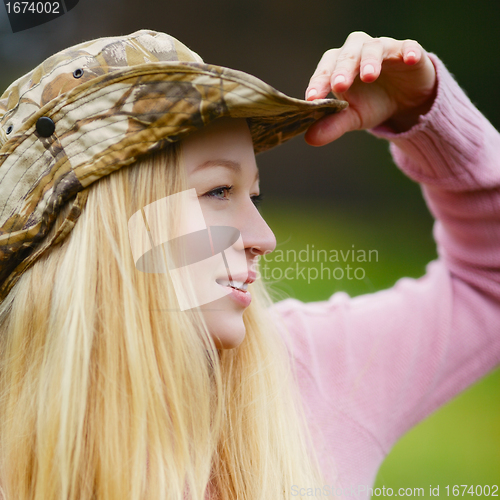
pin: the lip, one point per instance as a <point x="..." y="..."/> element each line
<point x="249" y="277"/>
<point x="243" y="298"/>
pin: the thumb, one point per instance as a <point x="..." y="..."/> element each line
<point x="331" y="127"/>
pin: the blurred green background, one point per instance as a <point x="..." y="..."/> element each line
<point x="459" y="443"/>
<point x="346" y="193"/>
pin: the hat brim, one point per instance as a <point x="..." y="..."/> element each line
<point x="113" y="119"/>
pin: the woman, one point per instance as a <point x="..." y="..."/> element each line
<point x="121" y="378"/>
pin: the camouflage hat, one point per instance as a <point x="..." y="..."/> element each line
<point x="98" y="106"/>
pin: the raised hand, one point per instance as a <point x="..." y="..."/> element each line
<point x="384" y="80"/>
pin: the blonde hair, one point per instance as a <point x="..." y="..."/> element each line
<point x="107" y="392"/>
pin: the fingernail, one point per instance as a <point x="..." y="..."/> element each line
<point x="339" y="79"/>
<point x="311" y="93"/>
<point x="368" y="70"/>
<point x="411" y="54"/>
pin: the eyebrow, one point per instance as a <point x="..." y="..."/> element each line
<point x="230" y="164"/>
<point x="233" y="165"/>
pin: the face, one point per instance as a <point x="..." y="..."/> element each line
<point x="220" y="165"/>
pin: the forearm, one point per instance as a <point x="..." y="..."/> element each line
<point x="386" y="360"/>
<point x="454" y="153"/>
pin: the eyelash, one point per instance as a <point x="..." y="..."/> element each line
<point x="213" y="193"/>
<point x="256" y="200"/>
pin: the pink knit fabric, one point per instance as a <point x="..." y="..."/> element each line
<point x="373" y="366"/>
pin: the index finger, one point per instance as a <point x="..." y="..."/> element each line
<point x="347" y="58"/>
<point x="319" y="84"/>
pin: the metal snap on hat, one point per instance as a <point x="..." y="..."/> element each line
<point x="98" y="106"/>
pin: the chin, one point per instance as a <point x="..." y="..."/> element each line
<point x="229" y="333"/>
<point x="225" y="324"/>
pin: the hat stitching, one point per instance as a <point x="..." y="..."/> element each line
<point x="58" y="119"/>
<point x="208" y="72"/>
<point x="15" y="185"/>
<point x="79" y="166"/>
<point x="25" y="229"/>
<point x="61" y="97"/>
<point x="117" y="40"/>
<point x="21" y="97"/>
<point x="7" y="155"/>
<point x="132" y="159"/>
<point x="182" y="67"/>
<point x="46" y="151"/>
<point x="105" y="125"/>
<point x="56" y="109"/>
<point x="20" y="157"/>
<point x="83" y="56"/>
<point x="105" y="95"/>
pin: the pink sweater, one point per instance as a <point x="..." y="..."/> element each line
<point x="373" y="366"/>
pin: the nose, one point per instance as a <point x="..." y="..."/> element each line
<point x="258" y="238"/>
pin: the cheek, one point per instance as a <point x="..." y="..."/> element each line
<point x="219" y="215"/>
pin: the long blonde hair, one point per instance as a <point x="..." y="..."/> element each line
<point x="108" y="393"/>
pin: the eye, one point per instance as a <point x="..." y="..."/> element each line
<point x="220" y="193"/>
<point x="257" y="200"/>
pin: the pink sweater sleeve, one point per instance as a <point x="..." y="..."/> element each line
<point x="372" y="366"/>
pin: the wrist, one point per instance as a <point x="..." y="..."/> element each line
<point x="405" y="120"/>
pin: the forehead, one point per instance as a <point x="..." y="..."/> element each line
<point x="225" y="139"/>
